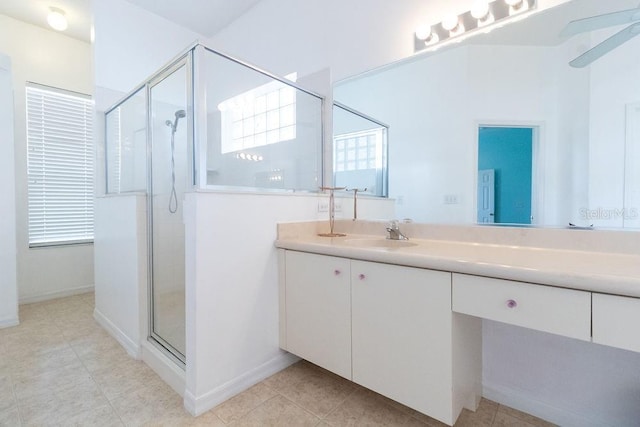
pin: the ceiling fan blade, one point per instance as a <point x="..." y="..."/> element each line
<point x="600" y="21"/>
<point x="606" y="46"/>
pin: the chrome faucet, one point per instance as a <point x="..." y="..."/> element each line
<point x="394" y="231"/>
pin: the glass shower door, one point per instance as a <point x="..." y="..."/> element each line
<point x="168" y="182"/>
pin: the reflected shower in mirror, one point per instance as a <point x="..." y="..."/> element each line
<point x="515" y="76"/>
<point x="262" y="132"/>
<point x="359" y="152"/>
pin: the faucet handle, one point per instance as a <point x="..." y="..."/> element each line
<point x="393" y="224"/>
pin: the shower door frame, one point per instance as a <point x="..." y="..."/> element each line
<point x="184" y="60"/>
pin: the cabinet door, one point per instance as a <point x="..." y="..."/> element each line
<point x="402" y="328"/>
<point x="318" y="310"/>
<point x="616" y="321"/>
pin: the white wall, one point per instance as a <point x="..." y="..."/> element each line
<point x="232" y="288"/>
<point x="8" y="283"/>
<point x="48" y="58"/>
<point x="121" y="268"/>
<point x="349" y="37"/>
<point x="568" y="382"/>
<point x="131" y="44"/>
<point x="426" y="143"/>
<point x="614" y="84"/>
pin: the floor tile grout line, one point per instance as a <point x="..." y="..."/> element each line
<point x="296" y="404"/>
<point x="15" y="400"/>
<point x="515" y="415"/>
<point x="353" y="391"/>
<point x="50" y="317"/>
<point x="252" y="409"/>
<point x="97" y="385"/>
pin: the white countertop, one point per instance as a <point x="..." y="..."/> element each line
<point x="611" y="273"/>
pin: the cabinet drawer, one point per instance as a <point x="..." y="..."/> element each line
<point x="555" y="310"/>
<point x="616" y="321"/>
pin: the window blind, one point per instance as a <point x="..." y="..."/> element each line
<point x="60" y="166"/>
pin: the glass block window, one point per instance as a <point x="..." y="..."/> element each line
<point x="358" y="150"/>
<point x="264" y="115"/>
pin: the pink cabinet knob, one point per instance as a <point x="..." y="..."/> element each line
<point x="336" y="272"/>
<point x="361" y="276"/>
<point x="512" y="303"/>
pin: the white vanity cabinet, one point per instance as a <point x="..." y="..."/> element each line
<point x="616" y="321"/>
<point x="388" y="328"/>
<point x="402" y="328"/>
<point x="318" y="310"/>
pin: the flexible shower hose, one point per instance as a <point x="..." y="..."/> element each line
<point x="173" y="197"/>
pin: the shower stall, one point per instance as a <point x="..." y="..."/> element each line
<point x="205" y="122"/>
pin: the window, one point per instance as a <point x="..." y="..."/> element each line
<point x="264" y="115"/>
<point x="359" y="150"/>
<point x="60" y="166"/>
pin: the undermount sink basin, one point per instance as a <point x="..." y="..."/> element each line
<point x="379" y="243"/>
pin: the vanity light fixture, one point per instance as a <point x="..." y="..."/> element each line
<point x="483" y="14"/>
<point x="57" y="19"/>
<point x="250" y="157"/>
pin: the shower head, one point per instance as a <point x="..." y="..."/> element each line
<point x="179" y="115"/>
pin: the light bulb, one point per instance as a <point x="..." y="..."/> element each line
<point x="517" y="6"/>
<point x="423" y="32"/>
<point x="450" y="22"/>
<point x="480" y="9"/>
<point x="432" y="39"/>
<point x="57" y="20"/>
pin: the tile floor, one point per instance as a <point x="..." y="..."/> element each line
<point x="58" y="367"/>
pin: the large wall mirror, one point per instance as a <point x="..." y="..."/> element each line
<point x="561" y="144"/>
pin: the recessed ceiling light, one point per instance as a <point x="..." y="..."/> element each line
<point x="56" y="19"/>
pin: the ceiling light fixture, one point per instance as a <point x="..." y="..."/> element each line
<point x="484" y="15"/>
<point x="56" y="19"/>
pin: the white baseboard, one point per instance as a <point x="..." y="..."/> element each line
<point x="57" y="294"/>
<point x="129" y="345"/>
<point x="9" y="322"/>
<point x="520" y="400"/>
<point x="197" y="405"/>
<point x="166" y="369"/>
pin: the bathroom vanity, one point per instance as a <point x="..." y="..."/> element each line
<point x="404" y="318"/>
